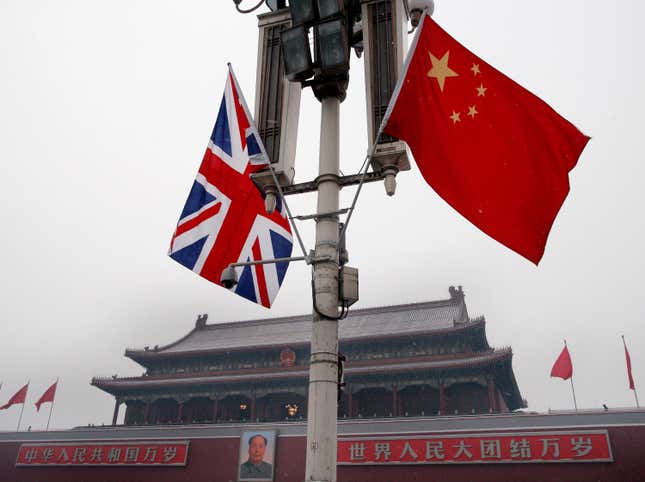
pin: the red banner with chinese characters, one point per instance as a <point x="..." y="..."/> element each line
<point x="105" y="453"/>
<point x="519" y="447"/>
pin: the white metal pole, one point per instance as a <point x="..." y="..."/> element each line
<point x="51" y="407"/>
<point x="575" y="404"/>
<point x="20" y="418"/>
<point x="629" y="368"/>
<point x="323" y="369"/>
<point x="573" y="392"/>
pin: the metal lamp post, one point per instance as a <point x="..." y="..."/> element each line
<point x="330" y="76"/>
<point x="376" y="27"/>
<point x="323" y="371"/>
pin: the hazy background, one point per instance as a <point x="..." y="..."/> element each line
<point x="106" y="108"/>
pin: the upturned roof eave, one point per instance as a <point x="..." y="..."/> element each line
<point x="295" y="318"/>
<point x="395" y="365"/>
<point x="143" y="356"/>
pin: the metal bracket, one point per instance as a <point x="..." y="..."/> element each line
<point x="306" y="259"/>
<point x="343" y="181"/>
<point x="318" y="216"/>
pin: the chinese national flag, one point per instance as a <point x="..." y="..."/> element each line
<point x="563" y="368"/>
<point x="48" y="396"/>
<point x="19" y="397"/>
<point x="629" y="367"/>
<point x="490" y="148"/>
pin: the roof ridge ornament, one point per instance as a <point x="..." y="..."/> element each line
<point x="201" y="321"/>
<point x="456" y="293"/>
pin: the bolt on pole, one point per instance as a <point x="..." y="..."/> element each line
<point x="323" y="370"/>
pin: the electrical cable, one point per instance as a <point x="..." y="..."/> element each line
<point x="237" y="6"/>
<point x="343" y="313"/>
<point x="364" y="168"/>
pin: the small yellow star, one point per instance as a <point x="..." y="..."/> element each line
<point x="440" y="69"/>
<point x="455" y="117"/>
<point x="481" y="90"/>
<point x="472" y="111"/>
<point x="475" y="69"/>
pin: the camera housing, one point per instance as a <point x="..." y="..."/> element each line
<point x="229" y="277"/>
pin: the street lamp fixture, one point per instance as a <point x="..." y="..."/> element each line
<point x="297" y="56"/>
<point x="276" y="4"/>
<point x="329" y="8"/>
<point x="332" y="52"/>
<point x="416" y="8"/>
<point x="302" y="11"/>
<point x="292" y="409"/>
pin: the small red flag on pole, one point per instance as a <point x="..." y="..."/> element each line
<point x="495" y="152"/>
<point x="48" y="396"/>
<point x="563" y="368"/>
<point x="19" y="397"/>
<point x="628" y="359"/>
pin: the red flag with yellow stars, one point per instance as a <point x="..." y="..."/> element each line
<point x="490" y="148"/>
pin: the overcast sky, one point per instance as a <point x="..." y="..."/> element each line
<point x="106" y="108"/>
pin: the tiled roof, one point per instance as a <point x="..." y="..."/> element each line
<point x="375" y="368"/>
<point x="371" y="322"/>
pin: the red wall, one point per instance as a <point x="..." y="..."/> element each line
<point x="215" y="460"/>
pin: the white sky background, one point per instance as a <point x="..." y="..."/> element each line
<point x="105" y="112"/>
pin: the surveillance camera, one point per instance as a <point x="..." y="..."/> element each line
<point x="228" y="278"/>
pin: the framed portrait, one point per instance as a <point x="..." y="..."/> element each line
<point x="257" y="455"/>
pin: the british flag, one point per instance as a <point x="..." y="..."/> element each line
<point x="224" y="220"/>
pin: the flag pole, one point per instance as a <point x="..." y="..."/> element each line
<point x="20" y="418"/>
<point x="575" y="404"/>
<point x="51" y="408"/>
<point x="636" y="397"/>
<point x="22" y="410"/>
<point x="629" y="371"/>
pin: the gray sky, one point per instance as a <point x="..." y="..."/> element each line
<point x="106" y="109"/>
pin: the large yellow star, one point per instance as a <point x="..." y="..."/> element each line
<point x="440" y="69"/>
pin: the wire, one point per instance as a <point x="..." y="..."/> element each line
<point x="343" y="312"/>
<point x="237" y="6"/>
<point x="364" y="168"/>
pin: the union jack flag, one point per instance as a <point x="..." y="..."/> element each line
<point x="224" y="220"/>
